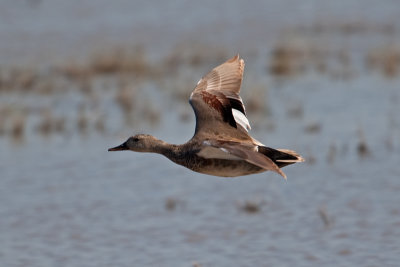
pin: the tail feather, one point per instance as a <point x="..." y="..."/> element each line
<point x="281" y="157"/>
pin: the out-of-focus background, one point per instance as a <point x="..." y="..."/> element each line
<point x="78" y="77"/>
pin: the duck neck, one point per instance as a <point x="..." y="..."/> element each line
<point x="170" y="151"/>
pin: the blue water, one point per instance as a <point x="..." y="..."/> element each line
<point x="66" y="201"/>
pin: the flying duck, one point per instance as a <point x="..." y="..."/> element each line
<point x="221" y="144"/>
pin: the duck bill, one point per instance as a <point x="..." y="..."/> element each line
<point x="119" y="148"/>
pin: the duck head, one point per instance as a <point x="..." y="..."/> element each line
<point x="138" y="143"/>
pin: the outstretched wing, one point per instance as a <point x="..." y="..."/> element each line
<point x="216" y="101"/>
<point x="237" y="150"/>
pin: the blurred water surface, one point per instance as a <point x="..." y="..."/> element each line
<point x="66" y="201"/>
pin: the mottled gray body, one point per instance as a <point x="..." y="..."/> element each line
<point x="221" y="145"/>
<point x="187" y="157"/>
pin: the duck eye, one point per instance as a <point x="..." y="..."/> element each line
<point x="135" y="139"/>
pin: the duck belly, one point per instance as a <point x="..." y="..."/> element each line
<point x="226" y="168"/>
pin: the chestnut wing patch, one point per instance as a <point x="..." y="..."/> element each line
<point x="220" y="103"/>
<point x="216" y="98"/>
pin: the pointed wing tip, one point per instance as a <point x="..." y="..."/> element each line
<point x="237" y="58"/>
<point x="240" y="62"/>
<point x="282" y="174"/>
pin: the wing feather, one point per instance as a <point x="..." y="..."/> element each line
<point x="247" y="153"/>
<point x="214" y="97"/>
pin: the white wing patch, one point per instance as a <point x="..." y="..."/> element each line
<point x="241" y="119"/>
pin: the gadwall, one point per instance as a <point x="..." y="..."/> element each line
<point x="221" y="144"/>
